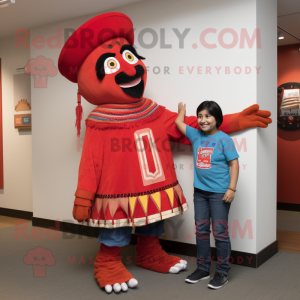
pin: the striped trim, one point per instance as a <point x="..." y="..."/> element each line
<point x="123" y="112"/>
<point x="116" y="109"/>
<point x="102" y="119"/>
<point x="123" y="117"/>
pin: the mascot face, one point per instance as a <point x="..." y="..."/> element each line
<point x="112" y="73"/>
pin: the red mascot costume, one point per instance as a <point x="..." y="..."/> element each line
<point x="126" y="178"/>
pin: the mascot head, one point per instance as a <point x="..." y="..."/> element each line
<point x="100" y="57"/>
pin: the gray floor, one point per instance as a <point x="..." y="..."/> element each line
<point x="278" y="278"/>
<point x="288" y="220"/>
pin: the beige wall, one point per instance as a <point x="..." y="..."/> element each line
<point x="17" y="148"/>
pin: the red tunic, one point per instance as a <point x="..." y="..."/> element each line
<point x="127" y="167"/>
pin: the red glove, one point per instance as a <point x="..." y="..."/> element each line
<point x="249" y="118"/>
<point x="81" y="209"/>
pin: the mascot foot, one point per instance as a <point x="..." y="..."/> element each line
<point x="149" y="255"/>
<point x="110" y="272"/>
<point x="178" y="267"/>
<point x="132" y="283"/>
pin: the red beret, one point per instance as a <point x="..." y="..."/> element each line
<point x="89" y="36"/>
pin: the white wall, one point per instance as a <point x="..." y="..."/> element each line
<point x="266" y="143"/>
<point x="56" y="159"/>
<point x="17" y="147"/>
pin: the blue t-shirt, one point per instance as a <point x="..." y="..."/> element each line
<point x="211" y="156"/>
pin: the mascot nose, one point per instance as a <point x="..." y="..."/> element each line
<point x="130" y="71"/>
<point x="124" y="77"/>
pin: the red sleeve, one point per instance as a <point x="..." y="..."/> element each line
<point x="173" y="133"/>
<point x="225" y="126"/>
<point x="90" y="165"/>
<point x="176" y="136"/>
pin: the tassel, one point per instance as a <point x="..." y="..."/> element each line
<point x="79" y="114"/>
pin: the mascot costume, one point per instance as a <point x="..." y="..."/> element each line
<point x="126" y="174"/>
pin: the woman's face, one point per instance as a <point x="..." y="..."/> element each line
<point x="206" y="121"/>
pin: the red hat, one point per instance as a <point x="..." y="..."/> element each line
<point x="89" y="36"/>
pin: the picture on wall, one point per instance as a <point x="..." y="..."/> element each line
<point x="288" y="102"/>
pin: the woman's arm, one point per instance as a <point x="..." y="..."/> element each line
<point x="234" y="174"/>
<point x="180" y="119"/>
<point x="248" y="118"/>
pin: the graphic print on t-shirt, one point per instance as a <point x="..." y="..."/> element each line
<point x="204" y="157"/>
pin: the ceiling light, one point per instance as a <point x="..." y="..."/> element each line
<point x="4" y="3"/>
<point x="280" y="35"/>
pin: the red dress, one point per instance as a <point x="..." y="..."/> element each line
<point x="127" y="167"/>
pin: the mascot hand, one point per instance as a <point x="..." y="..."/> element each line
<point x="249" y="118"/>
<point x="81" y="209"/>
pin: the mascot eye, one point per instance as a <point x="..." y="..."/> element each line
<point x="129" y="57"/>
<point x="111" y="65"/>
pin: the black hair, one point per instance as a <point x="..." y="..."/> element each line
<point x="213" y="109"/>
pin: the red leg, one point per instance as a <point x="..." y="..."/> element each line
<point x="109" y="268"/>
<point x="149" y="255"/>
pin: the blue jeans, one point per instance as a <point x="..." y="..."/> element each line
<point x="121" y="236"/>
<point x="210" y="206"/>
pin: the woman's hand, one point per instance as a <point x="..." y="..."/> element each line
<point x="180" y="118"/>
<point x="229" y="196"/>
<point x="181" y="107"/>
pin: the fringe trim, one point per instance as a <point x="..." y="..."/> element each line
<point x="128" y="205"/>
<point x="138" y="194"/>
<point x="126" y="124"/>
<point x="137" y="222"/>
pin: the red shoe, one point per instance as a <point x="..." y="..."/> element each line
<point x="149" y="255"/>
<point x="109" y="268"/>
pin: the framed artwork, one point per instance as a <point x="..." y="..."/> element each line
<point x="1" y="135"/>
<point x="288" y="104"/>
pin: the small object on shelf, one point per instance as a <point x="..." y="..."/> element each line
<point x="23" y="121"/>
<point x="23" y="105"/>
